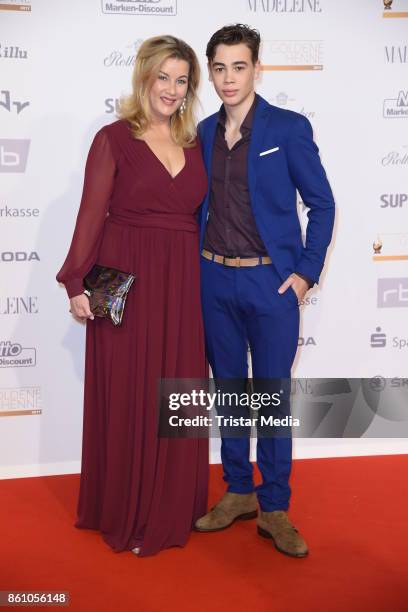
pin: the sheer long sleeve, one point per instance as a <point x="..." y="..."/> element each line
<point x="97" y="190"/>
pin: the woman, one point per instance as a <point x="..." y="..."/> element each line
<point x="144" y="180"/>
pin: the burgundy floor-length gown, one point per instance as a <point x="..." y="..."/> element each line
<point x="137" y="489"/>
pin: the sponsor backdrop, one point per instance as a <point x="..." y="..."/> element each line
<point x="63" y="67"/>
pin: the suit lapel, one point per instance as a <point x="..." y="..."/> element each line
<point x="259" y="128"/>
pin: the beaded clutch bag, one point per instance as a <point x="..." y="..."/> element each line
<point x="107" y="289"/>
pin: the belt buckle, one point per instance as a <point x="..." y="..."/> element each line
<point x="238" y="262"/>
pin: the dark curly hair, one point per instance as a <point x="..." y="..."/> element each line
<point x="234" y="35"/>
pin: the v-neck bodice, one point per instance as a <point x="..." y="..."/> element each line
<point x="162" y="164"/>
<point x="144" y="186"/>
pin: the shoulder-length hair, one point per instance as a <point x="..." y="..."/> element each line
<point x="136" y="107"/>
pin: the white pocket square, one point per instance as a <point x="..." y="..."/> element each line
<point x="269" y="151"/>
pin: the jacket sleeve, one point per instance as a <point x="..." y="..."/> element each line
<point x="311" y="182"/>
<point x="97" y="189"/>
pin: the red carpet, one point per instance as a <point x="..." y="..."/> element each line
<point x="352" y="512"/>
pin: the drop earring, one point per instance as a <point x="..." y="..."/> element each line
<point x="183" y="106"/>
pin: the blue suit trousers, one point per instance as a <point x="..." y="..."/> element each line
<point x="241" y="307"/>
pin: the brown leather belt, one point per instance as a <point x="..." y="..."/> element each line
<point x="236" y="262"/>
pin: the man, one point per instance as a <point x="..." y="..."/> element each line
<point x="255" y="268"/>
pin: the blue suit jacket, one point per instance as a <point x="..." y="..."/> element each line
<point x="273" y="179"/>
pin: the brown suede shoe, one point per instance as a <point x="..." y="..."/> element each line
<point x="232" y="507"/>
<point x="287" y="540"/>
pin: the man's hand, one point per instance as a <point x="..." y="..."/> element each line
<point x="298" y="284"/>
<point x="80" y="307"/>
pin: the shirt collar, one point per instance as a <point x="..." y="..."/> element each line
<point x="247" y="122"/>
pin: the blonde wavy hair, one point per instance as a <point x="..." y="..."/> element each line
<point x="136" y="107"/>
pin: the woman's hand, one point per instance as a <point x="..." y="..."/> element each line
<point x="80" y="307"/>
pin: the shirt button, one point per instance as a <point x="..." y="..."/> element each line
<point x="229" y="157"/>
